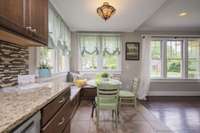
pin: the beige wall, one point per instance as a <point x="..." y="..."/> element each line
<point x="130" y="68"/>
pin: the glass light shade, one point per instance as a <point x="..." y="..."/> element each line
<point x="106" y="11"/>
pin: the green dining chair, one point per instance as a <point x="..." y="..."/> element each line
<point x="107" y="98"/>
<point x="129" y="97"/>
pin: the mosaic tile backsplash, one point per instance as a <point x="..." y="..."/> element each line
<point x="13" y="62"/>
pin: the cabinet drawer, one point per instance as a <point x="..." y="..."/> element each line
<point x="50" y="110"/>
<point x="58" y="123"/>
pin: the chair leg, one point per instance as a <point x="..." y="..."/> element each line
<point x="113" y="114"/>
<point x="93" y="108"/>
<point x="116" y="118"/>
<point x="118" y="111"/>
<point x="135" y="102"/>
<point x="97" y="113"/>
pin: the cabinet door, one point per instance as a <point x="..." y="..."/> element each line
<point x="38" y="19"/>
<point x="12" y="15"/>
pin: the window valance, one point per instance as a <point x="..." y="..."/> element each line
<point x="59" y="34"/>
<point x="100" y="44"/>
<point x="111" y="45"/>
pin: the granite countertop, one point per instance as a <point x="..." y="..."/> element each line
<point x="18" y="103"/>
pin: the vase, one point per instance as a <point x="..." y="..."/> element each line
<point x="44" y="73"/>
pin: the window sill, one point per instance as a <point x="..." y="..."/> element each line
<point x="52" y="77"/>
<point x="95" y="72"/>
<point x="176" y="80"/>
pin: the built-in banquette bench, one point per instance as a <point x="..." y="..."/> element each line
<point x="88" y="92"/>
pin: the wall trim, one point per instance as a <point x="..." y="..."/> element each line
<point x="174" y="93"/>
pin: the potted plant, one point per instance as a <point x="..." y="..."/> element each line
<point x="44" y="70"/>
<point x="105" y="76"/>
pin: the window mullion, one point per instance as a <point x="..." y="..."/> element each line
<point x="199" y="59"/>
<point x="184" y="59"/>
<point x="164" y="59"/>
<point x="100" y="56"/>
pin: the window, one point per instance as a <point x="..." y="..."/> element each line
<point x="89" y="52"/>
<point x="55" y="58"/>
<point x="63" y="61"/>
<point x="47" y="56"/>
<point x="57" y="53"/>
<point x="100" y="52"/>
<point x="175" y="58"/>
<point x="193" y="59"/>
<point x="156" y="59"/>
<point x="111" y="59"/>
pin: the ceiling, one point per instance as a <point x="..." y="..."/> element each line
<point x="131" y="15"/>
<point x="80" y="15"/>
<point x="167" y="17"/>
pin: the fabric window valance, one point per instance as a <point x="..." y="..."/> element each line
<point x="59" y="34"/>
<point x="105" y="44"/>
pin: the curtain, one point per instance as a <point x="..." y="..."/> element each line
<point x="89" y="44"/>
<point x="59" y="34"/>
<point x="145" y="68"/>
<point x="51" y="39"/>
<point x="99" y="43"/>
<point x="111" y="45"/>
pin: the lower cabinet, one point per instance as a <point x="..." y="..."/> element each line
<point x="58" y="123"/>
<point x="67" y="127"/>
<point x="56" y="116"/>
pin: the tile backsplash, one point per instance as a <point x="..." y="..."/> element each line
<point x="13" y="62"/>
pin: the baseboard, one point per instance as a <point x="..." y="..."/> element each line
<point x="174" y="93"/>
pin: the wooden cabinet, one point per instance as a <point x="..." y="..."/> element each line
<point x="56" y="116"/>
<point x="12" y="15"/>
<point x="58" y="123"/>
<point x="24" y="18"/>
<point x="67" y="128"/>
<point x="37" y="19"/>
<point x="52" y="108"/>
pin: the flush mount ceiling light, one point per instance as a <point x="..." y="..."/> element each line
<point x="182" y="14"/>
<point x="106" y="11"/>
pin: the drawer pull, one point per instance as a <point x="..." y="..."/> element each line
<point x="61" y="122"/>
<point x="33" y="30"/>
<point x="62" y="100"/>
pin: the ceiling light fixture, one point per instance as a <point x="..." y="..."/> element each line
<point x="106" y="11"/>
<point x="182" y="14"/>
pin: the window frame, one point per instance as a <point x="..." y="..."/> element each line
<point x="184" y="57"/>
<point x="56" y="61"/>
<point x="100" y="57"/>
<point x="161" y="56"/>
<point x="187" y="57"/>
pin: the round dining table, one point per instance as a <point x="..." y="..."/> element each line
<point x="93" y="82"/>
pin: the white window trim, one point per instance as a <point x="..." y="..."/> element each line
<point x="184" y="65"/>
<point x="56" y="58"/>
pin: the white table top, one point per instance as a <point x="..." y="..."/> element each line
<point x="110" y="81"/>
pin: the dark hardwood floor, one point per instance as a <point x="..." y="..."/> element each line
<point x="180" y="114"/>
<point x="131" y="120"/>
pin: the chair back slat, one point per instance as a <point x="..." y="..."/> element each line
<point x="107" y="91"/>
